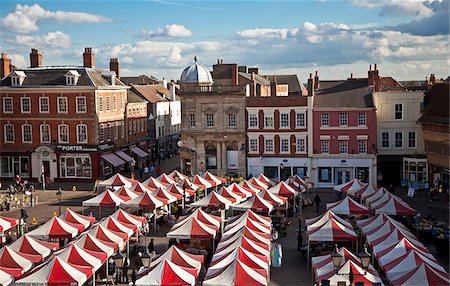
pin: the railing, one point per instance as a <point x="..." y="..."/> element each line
<point x="236" y="89"/>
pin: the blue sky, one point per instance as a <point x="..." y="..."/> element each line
<point x="408" y="39"/>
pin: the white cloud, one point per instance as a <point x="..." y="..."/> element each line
<point x="18" y="60"/>
<point x="267" y="33"/>
<point x="26" y="19"/>
<point x="396" y="7"/>
<point x="172" y="31"/>
<point x="52" y="39"/>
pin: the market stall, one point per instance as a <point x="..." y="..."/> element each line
<point x="213" y="200"/>
<point x="14" y="263"/>
<point x="73" y="217"/>
<point x="256" y="204"/>
<point x="117" y="180"/>
<point x="266" y="180"/>
<point x="56" y="228"/>
<point x="352" y="185"/>
<point x="31" y="246"/>
<point x="348" y="206"/>
<point x="168" y="273"/>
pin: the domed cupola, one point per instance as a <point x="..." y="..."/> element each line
<point x="196" y="74"/>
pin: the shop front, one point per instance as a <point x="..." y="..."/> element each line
<point x="415" y="173"/>
<point x="278" y="168"/>
<point x="15" y="164"/>
<point x="330" y="172"/>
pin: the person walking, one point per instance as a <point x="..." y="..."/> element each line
<point x="151" y="246"/>
<point x="126" y="264"/>
<point x="317" y="201"/>
<point x="24" y="217"/>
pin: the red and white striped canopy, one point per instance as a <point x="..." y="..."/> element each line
<point x="245" y="242"/>
<point x="250" y="187"/>
<point x="273" y="199"/>
<point x="375" y="196"/>
<point x="153" y="183"/>
<point x="246" y="231"/>
<point x="75" y="255"/>
<point x="213" y="200"/>
<point x="168" y="273"/>
<point x="253" y="260"/>
<point x="211" y="177"/>
<point x="5" y="278"/>
<point x="179" y="175"/>
<point x="395" y="206"/>
<point x="352" y="185"/>
<point x="57" y="228"/>
<point x="188" y="186"/>
<point x="107" y="198"/>
<point x="234" y="198"/>
<point x="266" y="180"/>
<point x="367" y="277"/>
<point x="389" y="233"/>
<point x="165" y="196"/>
<point x="118" y="226"/>
<point x="256" y="204"/>
<point x="322" y="219"/>
<point x="348" y="206"/>
<point x="193" y="228"/>
<point x="89" y="242"/>
<point x="258" y="184"/>
<point x="365" y="190"/>
<point x="127" y="218"/>
<point x="165" y="179"/>
<point x="370" y="225"/>
<point x="283" y="189"/>
<point x="180" y="258"/>
<point x="73" y="217"/>
<point x="264" y="220"/>
<point x="237" y="274"/>
<point x="7" y="223"/>
<point x="14" y="263"/>
<point x="106" y="235"/>
<point x="422" y="275"/>
<point x="323" y="264"/>
<point x="332" y="230"/>
<point x="139" y="188"/>
<point x="145" y="200"/>
<point x="58" y="272"/>
<point x="117" y="180"/>
<point x="201" y="216"/>
<point x="31" y="246"/>
<point x="246" y="221"/>
<point x="241" y="191"/>
<point x="202" y="183"/>
<point x="179" y="191"/>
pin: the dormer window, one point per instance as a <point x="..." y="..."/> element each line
<point x="72" y="77"/>
<point x="17" y="78"/>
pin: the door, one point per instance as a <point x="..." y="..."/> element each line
<point x="285" y="173"/>
<point x="46" y="165"/>
<point x="343" y="175"/>
<point x="16" y="163"/>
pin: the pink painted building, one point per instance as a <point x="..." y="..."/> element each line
<point x="344" y="131"/>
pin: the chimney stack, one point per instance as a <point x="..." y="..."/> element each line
<point x="115" y="66"/>
<point x="35" y="58"/>
<point x="310" y="85"/>
<point x="373" y="78"/>
<point x="5" y="66"/>
<point x="88" y="58"/>
<point x="235" y="74"/>
<point x="253" y="85"/>
<point x="316" y="81"/>
<point x="273" y="86"/>
<point x="432" y="79"/>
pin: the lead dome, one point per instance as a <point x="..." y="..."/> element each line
<point x="196" y="73"/>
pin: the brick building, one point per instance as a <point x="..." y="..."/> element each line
<point x="277" y="126"/>
<point x="63" y="122"/>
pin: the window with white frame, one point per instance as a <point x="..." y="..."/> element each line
<point x="253" y="145"/>
<point x="9" y="133"/>
<point x="7" y="104"/>
<point x="301" y="145"/>
<point x="121" y="102"/>
<point x="325" y="147"/>
<point x="114" y="102"/>
<point x="25" y="103"/>
<point x="362" y="147"/>
<point x="343" y="147"/>
<point x="252" y="120"/>
<point x="81" y="104"/>
<point x="362" y="119"/>
<point x="398" y="111"/>
<point x="70" y="80"/>
<point x="268" y="120"/>
<point x="231" y="120"/>
<point x="116" y="130"/>
<point x="300" y="120"/>
<point x="100" y="103"/>
<point x="398" y="140"/>
<point x="62" y="104"/>
<point x="412" y="139"/>
<point x="27" y="133"/>
<point x="284" y="120"/>
<point x="44" y="106"/>
<point x="192" y="120"/>
<point x="101" y="133"/>
<point x="45" y="133"/>
<point x="82" y="134"/>
<point x="63" y="133"/>
<point x="284" y="145"/>
<point x="385" y="140"/>
<point x="343" y="119"/>
<point x="107" y="103"/>
<point x="209" y="120"/>
<point x="108" y="132"/>
<point x="15" y="81"/>
<point x="268" y="145"/>
<point x="325" y="119"/>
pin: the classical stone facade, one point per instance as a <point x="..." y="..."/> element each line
<point x="213" y="130"/>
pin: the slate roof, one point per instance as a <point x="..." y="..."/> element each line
<point x="292" y="81"/>
<point x="134" y="98"/>
<point x="437" y="106"/>
<point x="258" y="79"/>
<point x="55" y="77"/>
<point x="141" y="79"/>
<point x="151" y="92"/>
<point x="360" y="97"/>
<point x="332" y="86"/>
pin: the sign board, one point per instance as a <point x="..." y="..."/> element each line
<point x="232" y="159"/>
<point x="83" y="148"/>
<point x="411" y="192"/>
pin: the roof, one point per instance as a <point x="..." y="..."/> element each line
<point x="437" y="108"/>
<point x="141" y="79"/>
<point x="55" y="76"/>
<point x="291" y="80"/>
<point x="134" y="98"/>
<point x="258" y="79"/>
<point x="333" y="86"/>
<point x="151" y="92"/>
<point x="350" y="98"/>
<point x="196" y="73"/>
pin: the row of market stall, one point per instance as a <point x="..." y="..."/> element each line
<point x="35" y="259"/>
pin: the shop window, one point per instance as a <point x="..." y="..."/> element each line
<point x="75" y="167"/>
<point x="271" y="172"/>
<point x="300" y="171"/>
<point x="362" y="173"/>
<point x="6" y="167"/>
<point x="325" y="174"/>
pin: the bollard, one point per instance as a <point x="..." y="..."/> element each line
<point x="34" y="221"/>
<point x="54" y="214"/>
<point x="74" y="188"/>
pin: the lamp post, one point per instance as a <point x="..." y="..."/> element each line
<point x="281" y="168"/>
<point x="146" y="258"/>
<point x="43" y="177"/>
<point x="119" y="260"/>
<point x="132" y="163"/>
<point x="176" y="178"/>
<point x="308" y="186"/>
<point x="59" y="196"/>
<point x="364" y="256"/>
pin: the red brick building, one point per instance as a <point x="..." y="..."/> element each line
<point x="65" y="122"/>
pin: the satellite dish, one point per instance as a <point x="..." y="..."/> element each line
<point x="180" y="143"/>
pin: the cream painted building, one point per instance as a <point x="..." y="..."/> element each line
<point x="213" y="110"/>
<point x="400" y="144"/>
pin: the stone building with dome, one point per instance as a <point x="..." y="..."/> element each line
<point x="213" y="130"/>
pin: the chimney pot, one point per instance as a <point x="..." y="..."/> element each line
<point x="35" y="58"/>
<point x="351" y="75"/>
<point x="310" y="75"/>
<point x="253" y="76"/>
<point x="370" y="67"/>
<point x="115" y="66"/>
<point x="317" y="73"/>
<point x="316" y="81"/>
<point x="376" y="67"/>
<point x="88" y="58"/>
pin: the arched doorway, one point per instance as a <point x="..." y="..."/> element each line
<point x="211" y="156"/>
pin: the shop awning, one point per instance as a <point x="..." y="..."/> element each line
<point x="138" y="151"/>
<point x="123" y="155"/>
<point x="113" y="159"/>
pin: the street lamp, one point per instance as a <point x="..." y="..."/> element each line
<point x="59" y="196"/>
<point x="43" y="177"/>
<point x="146" y="258"/>
<point x="365" y="258"/>
<point x="119" y="260"/>
<point x="132" y="163"/>
<point x="336" y="257"/>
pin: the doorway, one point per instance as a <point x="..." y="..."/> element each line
<point x="46" y="165"/>
<point x="343" y="175"/>
<point x="285" y="173"/>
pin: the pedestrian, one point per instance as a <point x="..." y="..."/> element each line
<point x="158" y="171"/>
<point x="24" y="217"/>
<point x="111" y="268"/>
<point x="317" y="201"/>
<point x="151" y="246"/>
<point x="146" y="171"/>
<point x="141" y="173"/>
<point x="437" y="183"/>
<point x="133" y="277"/>
<point x="299" y="239"/>
<point x="126" y="264"/>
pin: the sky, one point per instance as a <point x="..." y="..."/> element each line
<point x="408" y="39"/>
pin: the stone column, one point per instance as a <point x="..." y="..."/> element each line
<point x="224" y="157"/>
<point x="219" y="157"/>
